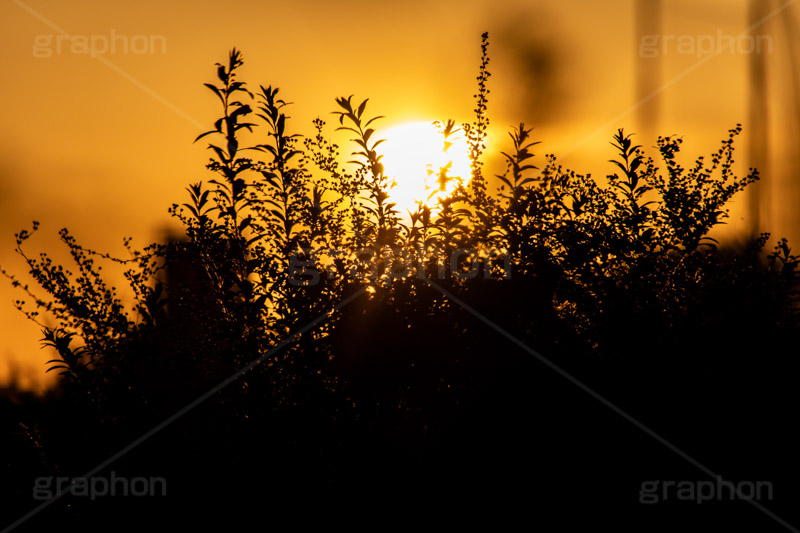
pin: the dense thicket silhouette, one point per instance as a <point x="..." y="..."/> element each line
<point x="402" y="400"/>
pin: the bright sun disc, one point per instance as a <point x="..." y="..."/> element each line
<point x="413" y="154"/>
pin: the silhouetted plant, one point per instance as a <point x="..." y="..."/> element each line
<point x="694" y="202"/>
<point x="581" y="266"/>
<point x="380" y="229"/>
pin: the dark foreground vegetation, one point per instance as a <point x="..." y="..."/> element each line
<point x="423" y="397"/>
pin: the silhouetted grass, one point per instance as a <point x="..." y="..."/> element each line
<point x="402" y="401"/>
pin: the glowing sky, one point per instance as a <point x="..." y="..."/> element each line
<point x="103" y="144"/>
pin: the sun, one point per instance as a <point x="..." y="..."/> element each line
<point x="413" y="156"/>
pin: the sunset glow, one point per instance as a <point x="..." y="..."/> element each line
<point x="414" y="154"/>
<point x="467" y="263"/>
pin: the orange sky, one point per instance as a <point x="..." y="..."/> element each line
<point x="103" y="145"/>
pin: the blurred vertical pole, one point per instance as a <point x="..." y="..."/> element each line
<point x="757" y="199"/>
<point x="648" y="70"/>
<point x="791" y="167"/>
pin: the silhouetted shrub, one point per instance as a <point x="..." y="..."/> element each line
<point x="615" y="280"/>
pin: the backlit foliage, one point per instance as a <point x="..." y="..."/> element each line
<point x="620" y="270"/>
